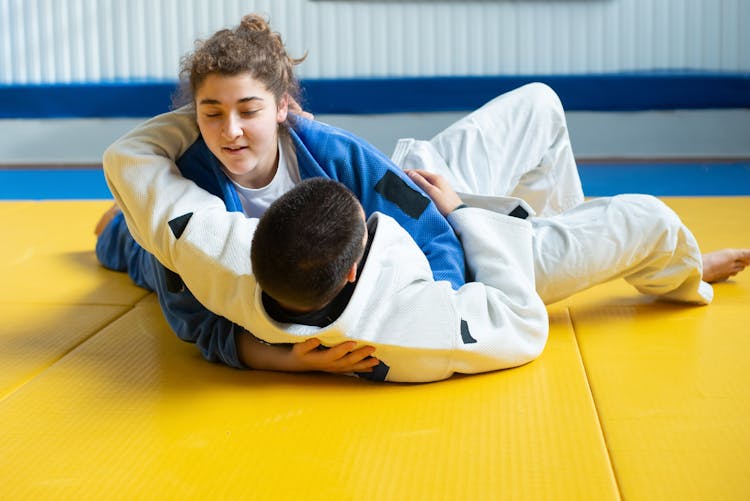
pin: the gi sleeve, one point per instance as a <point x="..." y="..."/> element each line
<point x="430" y="332"/>
<point x="141" y="172"/>
<point x="501" y="314"/>
<point x="185" y="227"/>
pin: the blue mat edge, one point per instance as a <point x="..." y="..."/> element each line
<point x="598" y="179"/>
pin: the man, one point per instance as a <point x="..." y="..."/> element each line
<point x="517" y="144"/>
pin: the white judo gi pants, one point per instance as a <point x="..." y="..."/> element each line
<point x="518" y="145"/>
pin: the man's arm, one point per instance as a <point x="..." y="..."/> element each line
<point x="141" y="171"/>
<point x="501" y="309"/>
<point x="437" y="188"/>
<point x="140" y="166"/>
<point x="478" y="236"/>
<point x="214" y="335"/>
<point x="184" y="226"/>
<point x="170" y="216"/>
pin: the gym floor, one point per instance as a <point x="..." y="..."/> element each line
<point x="632" y="398"/>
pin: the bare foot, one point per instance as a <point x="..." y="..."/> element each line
<point x="105" y="219"/>
<point x="720" y="265"/>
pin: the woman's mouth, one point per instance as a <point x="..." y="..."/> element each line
<point x="233" y="150"/>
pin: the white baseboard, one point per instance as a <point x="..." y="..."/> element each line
<point x="684" y="134"/>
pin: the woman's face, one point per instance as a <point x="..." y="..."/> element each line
<point x="238" y="118"/>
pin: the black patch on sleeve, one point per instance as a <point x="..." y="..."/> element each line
<point x="173" y="280"/>
<point x="519" y="212"/>
<point x="395" y="189"/>
<point x="379" y="372"/>
<point x="465" y="334"/>
<point x="179" y="224"/>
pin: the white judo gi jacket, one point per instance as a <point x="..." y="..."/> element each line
<point x="424" y="330"/>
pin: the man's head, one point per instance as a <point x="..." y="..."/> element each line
<point x="308" y="244"/>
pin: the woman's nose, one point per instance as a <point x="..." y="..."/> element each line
<point x="231" y="127"/>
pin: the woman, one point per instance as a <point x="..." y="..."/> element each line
<point x="250" y="151"/>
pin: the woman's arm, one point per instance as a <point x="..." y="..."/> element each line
<point x="305" y="356"/>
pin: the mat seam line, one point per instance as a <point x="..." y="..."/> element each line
<point x="65" y="303"/>
<point x="67" y="352"/>
<point x="612" y="468"/>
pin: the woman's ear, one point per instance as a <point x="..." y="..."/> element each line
<point x="282" y="110"/>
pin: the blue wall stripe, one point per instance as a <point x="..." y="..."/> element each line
<point x="606" y="92"/>
<point x="599" y="179"/>
<point x="603" y="92"/>
<point x="86" y="100"/>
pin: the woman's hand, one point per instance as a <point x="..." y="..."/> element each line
<point x="305" y="356"/>
<point x="342" y="358"/>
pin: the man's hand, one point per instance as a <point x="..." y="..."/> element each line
<point x="295" y="108"/>
<point x="437" y="188"/>
<point x="342" y="358"/>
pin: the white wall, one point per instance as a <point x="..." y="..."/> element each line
<point x="61" y="41"/>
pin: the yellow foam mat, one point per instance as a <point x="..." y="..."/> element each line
<point x="133" y="411"/>
<point x="631" y="398"/>
<point x="34" y="336"/>
<point x="671" y="382"/>
<point x="673" y="397"/>
<point x="46" y="255"/>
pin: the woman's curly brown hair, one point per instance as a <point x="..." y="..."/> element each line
<point x="250" y="48"/>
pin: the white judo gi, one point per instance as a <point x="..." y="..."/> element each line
<point x="516" y="145"/>
<point x="423" y="330"/>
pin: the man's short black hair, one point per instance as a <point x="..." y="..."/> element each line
<point x="306" y="243"/>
